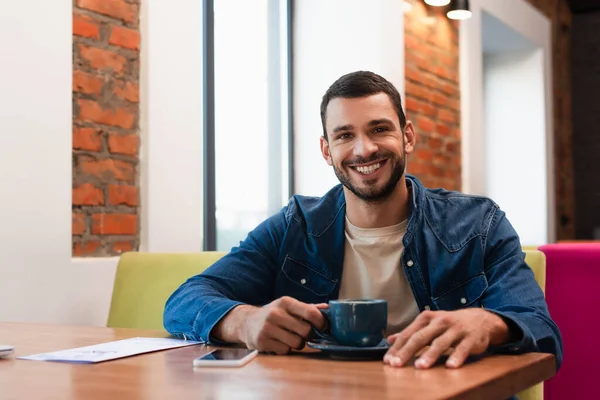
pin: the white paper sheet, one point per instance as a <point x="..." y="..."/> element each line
<point x="110" y="350"/>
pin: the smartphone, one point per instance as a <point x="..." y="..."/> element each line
<point x="227" y="357"/>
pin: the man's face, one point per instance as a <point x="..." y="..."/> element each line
<point x="366" y="145"/>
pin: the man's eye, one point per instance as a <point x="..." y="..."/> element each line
<point x="380" y="129"/>
<point x="344" y="136"/>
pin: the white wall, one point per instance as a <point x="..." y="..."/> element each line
<point x="171" y="101"/>
<point x="525" y="20"/>
<point x="35" y="160"/>
<point x="332" y="38"/>
<point x="514" y="140"/>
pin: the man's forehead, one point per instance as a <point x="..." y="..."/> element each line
<point x="359" y="109"/>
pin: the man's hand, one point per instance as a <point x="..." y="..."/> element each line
<point x="468" y="331"/>
<point x="278" y="327"/>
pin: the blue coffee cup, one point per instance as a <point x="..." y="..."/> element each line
<point x="358" y="323"/>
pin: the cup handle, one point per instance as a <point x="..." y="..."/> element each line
<point x="324" y="334"/>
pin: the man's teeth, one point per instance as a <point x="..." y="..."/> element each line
<point x="368" y="170"/>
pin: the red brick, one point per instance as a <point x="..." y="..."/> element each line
<point x="90" y="110"/>
<point x="124" y="144"/>
<point x="85" y="26"/>
<point x="125" y="37"/>
<point x="413" y="75"/>
<point x="436" y="171"/>
<point x="453" y="147"/>
<point x="101" y="59"/>
<point x="114" y="224"/>
<point x="423" y="154"/>
<point x="440" y="99"/>
<point x="123" y="195"/>
<point x="412" y="43"/>
<point x="128" y="90"/>
<point x="428" y="110"/>
<point x="122" y="247"/>
<point x="415" y="167"/>
<point x="87" y="139"/>
<point x="107" y="169"/>
<point x="427" y="65"/>
<point x="86" y="248"/>
<point x="87" y="195"/>
<point x="448" y="60"/>
<point x="456" y="133"/>
<point x="412" y="105"/>
<point x="87" y="83"/>
<point x="449" y="89"/>
<point x="77" y="223"/>
<point x="429" y="80"/>
<point x="425" y="124"/>
<point x="434" y="143"/>
<point x="447" y="116"/>
<point x="444" y="72"/>
<point x="442" y="160"/>
<point x="119" y="9"/>
<point x="443" y="129"/>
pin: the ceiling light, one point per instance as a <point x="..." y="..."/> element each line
<point x="459" y="9"/>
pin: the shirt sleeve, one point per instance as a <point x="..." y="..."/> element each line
<point x="514" y="294"/>
<point x="246" y="275"/>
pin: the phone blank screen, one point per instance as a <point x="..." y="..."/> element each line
<point x="226" y="354"/>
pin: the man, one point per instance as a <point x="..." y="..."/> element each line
<point x="449" y="265"/>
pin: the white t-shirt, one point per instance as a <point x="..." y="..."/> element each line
<point x="372" y="270"/>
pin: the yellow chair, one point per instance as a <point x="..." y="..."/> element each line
<point x="144" y="282"/>
<point x="536" y="260"/>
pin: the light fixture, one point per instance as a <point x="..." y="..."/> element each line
<point x="407" y="6"/>
<point x="437" y="3"/>
<point x="459" y="9"/>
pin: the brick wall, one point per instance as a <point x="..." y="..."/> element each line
<point x="106" y="44"/>
<point x="558" y="12"/>
<point x="585" y="62"/>
<point x="433" y="95"/>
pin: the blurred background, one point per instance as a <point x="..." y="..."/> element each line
<point x="178" y="126"/>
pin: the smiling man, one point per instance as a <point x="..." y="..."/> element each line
<point x="449" y="265"/>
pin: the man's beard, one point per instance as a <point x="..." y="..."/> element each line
<point x="373" y="194"/>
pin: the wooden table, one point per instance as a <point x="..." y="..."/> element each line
<point x="308" y="376"/>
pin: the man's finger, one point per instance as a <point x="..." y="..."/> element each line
<point x="438" y="347"/>
<point x="294" y="324"/>
<point x="305" y="311"/>
<point x="460" y="353"/>
<point x="288" y="338"/>
<point x="402" y="354"/>
<point x="398" y="340"/>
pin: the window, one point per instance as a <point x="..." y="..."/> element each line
<point x="247" y="116"/>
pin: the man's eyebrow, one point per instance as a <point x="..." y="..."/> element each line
<point x="343" y="128"/>
<point x="380" y="121"/>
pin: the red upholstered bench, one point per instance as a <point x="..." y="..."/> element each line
<point x="573" y="296"/>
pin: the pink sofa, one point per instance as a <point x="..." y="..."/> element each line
<point x="573" y="296"/>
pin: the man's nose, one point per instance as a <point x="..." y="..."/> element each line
<point x="364" y="146"/>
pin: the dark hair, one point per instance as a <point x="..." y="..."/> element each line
<point x="361" y="84"/>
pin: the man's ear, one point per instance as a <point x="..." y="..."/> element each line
<point x="325" y="151"/>
<point x="410" y="138"/>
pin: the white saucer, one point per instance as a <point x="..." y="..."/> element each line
<point x="5" y="350"/>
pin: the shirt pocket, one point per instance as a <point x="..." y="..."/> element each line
<point x="467" y="294"/>
<point x="303" y="282"/>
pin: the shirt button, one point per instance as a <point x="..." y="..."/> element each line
<point x="463" y="301"/>
<point x="427" y="308"/>
<point x="410" y="263"/>
<point x="514" y="349"/>
<point x="303" y="281"/>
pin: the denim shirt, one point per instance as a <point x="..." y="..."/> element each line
<point x="459" y="251"/>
